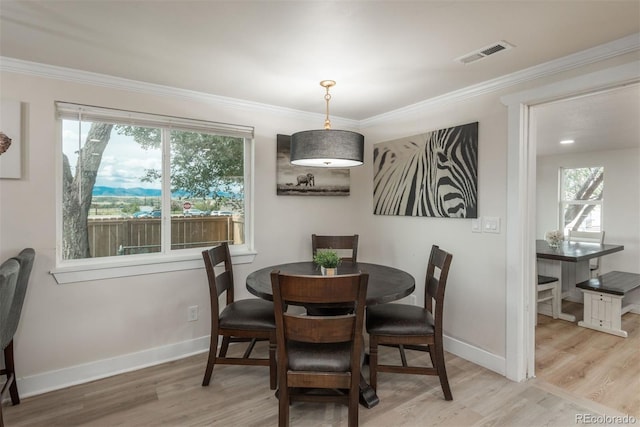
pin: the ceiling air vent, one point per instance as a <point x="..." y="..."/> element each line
<point x="484" y="52"/>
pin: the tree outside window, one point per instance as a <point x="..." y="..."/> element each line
<point x="129" y="188"/>
<point x="581" y="199"/>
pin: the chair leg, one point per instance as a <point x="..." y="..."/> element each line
<point x="225" y="346"/>
<point x="213" y="348"/>
<point x="283" y="404"/>
<point x="431" y="355"/>
<point x="11" y="370"/>
<point x="354" y="396"/>
<point x="442" y="370"/>
<point x="273" y="365"/>
<point x="373" y="362"/>
<point x="554" y="307"/>
<point x="403" y="356"/>
<point x="249" y="349"/>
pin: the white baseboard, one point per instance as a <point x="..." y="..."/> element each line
<point x="466" y="351"/>
<point x="475" y="355"/>
<point x="79" y="374"/>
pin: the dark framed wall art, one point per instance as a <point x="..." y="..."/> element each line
<point x="307" y="181"/>
<point x="433" y="174"/>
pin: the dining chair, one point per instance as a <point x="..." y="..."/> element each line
<point x="9" y="271"/>
<point x="548" y="291"/>
<point x="339" y="243"/>
<point x="247" y="320"/>
<point x="589" y="237"/>
<point x="413" y="327"/>
<point x="25" y="259"/>
<point x="319" y="352"/>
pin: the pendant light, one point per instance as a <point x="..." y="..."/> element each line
<point x="327" y="147"/>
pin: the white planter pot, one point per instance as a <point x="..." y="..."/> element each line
<point x="329" y="271"/>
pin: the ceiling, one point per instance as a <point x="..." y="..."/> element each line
<point x="384" y="55"/>
<point x="607" y="120"/>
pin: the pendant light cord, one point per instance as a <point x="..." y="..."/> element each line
<point x="327" y="84"/>
<point x="327" y="122"/>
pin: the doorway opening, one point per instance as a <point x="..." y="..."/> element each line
<point x="521" y="207"/>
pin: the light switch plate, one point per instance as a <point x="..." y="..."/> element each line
<point x="491" y="224"/>
<point x="476" y="225"/>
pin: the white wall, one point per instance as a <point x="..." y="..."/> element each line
<point x="475" y="299"/>
<point x="66" y="327"/>
<point x="621" y="202"/>
<point x="74" y="332"/>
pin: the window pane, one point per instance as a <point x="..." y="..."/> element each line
<point x="109" y="199"/>
<point x="583" y="183"/>
<point x="207" y="189"/>
<point x="135" y="183"/>
<point x="582" y="190"/>
<point x="587" y="218"/>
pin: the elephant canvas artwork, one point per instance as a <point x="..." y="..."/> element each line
<point x="307" y="181"/>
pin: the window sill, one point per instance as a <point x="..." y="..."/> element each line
<point x="139" y="266"/>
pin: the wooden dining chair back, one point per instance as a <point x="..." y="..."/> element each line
<point x="25" y="259"/>
<point x="9" y="271"/>
<point x="344" y="245"/>
<point x="589" y="237"/>
<point x="319" y="352"/>
<point x="248" y="320"/>
<point x="413" y="327"/>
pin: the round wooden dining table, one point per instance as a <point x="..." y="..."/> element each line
<point x="386" y="284"/>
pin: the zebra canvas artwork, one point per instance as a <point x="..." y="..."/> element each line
<point x="307" y="181"/>
<point x="433" y="174"/>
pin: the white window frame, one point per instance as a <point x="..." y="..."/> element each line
<point x="565" y="203"/>
<point x="81" y="270"/>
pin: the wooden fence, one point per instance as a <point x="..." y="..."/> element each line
<point x="122" y="236"/>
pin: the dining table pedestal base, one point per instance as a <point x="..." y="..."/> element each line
<point x="368" y="396"/>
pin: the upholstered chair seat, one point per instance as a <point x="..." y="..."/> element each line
<point x="332" y="357"/>
<point x="399" y="319"/>
<point x="250" y="313"/>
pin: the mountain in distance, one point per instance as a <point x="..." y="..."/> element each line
<point x="100" y="190"/>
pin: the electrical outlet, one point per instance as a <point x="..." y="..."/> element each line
<point x="192" y="313"/>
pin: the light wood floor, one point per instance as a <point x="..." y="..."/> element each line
<point x="600" y="367"/>
<point x="171" y="394"/>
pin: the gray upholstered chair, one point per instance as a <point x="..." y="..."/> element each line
<point x="25" y="259"/>
<point x="9" y="271"/>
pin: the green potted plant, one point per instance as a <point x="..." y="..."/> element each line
<point x="328" y="260"/>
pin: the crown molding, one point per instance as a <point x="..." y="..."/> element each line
<point x="592" y="55"/>
<point x="602" y="52"/>
<point x="18" y="66"/>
